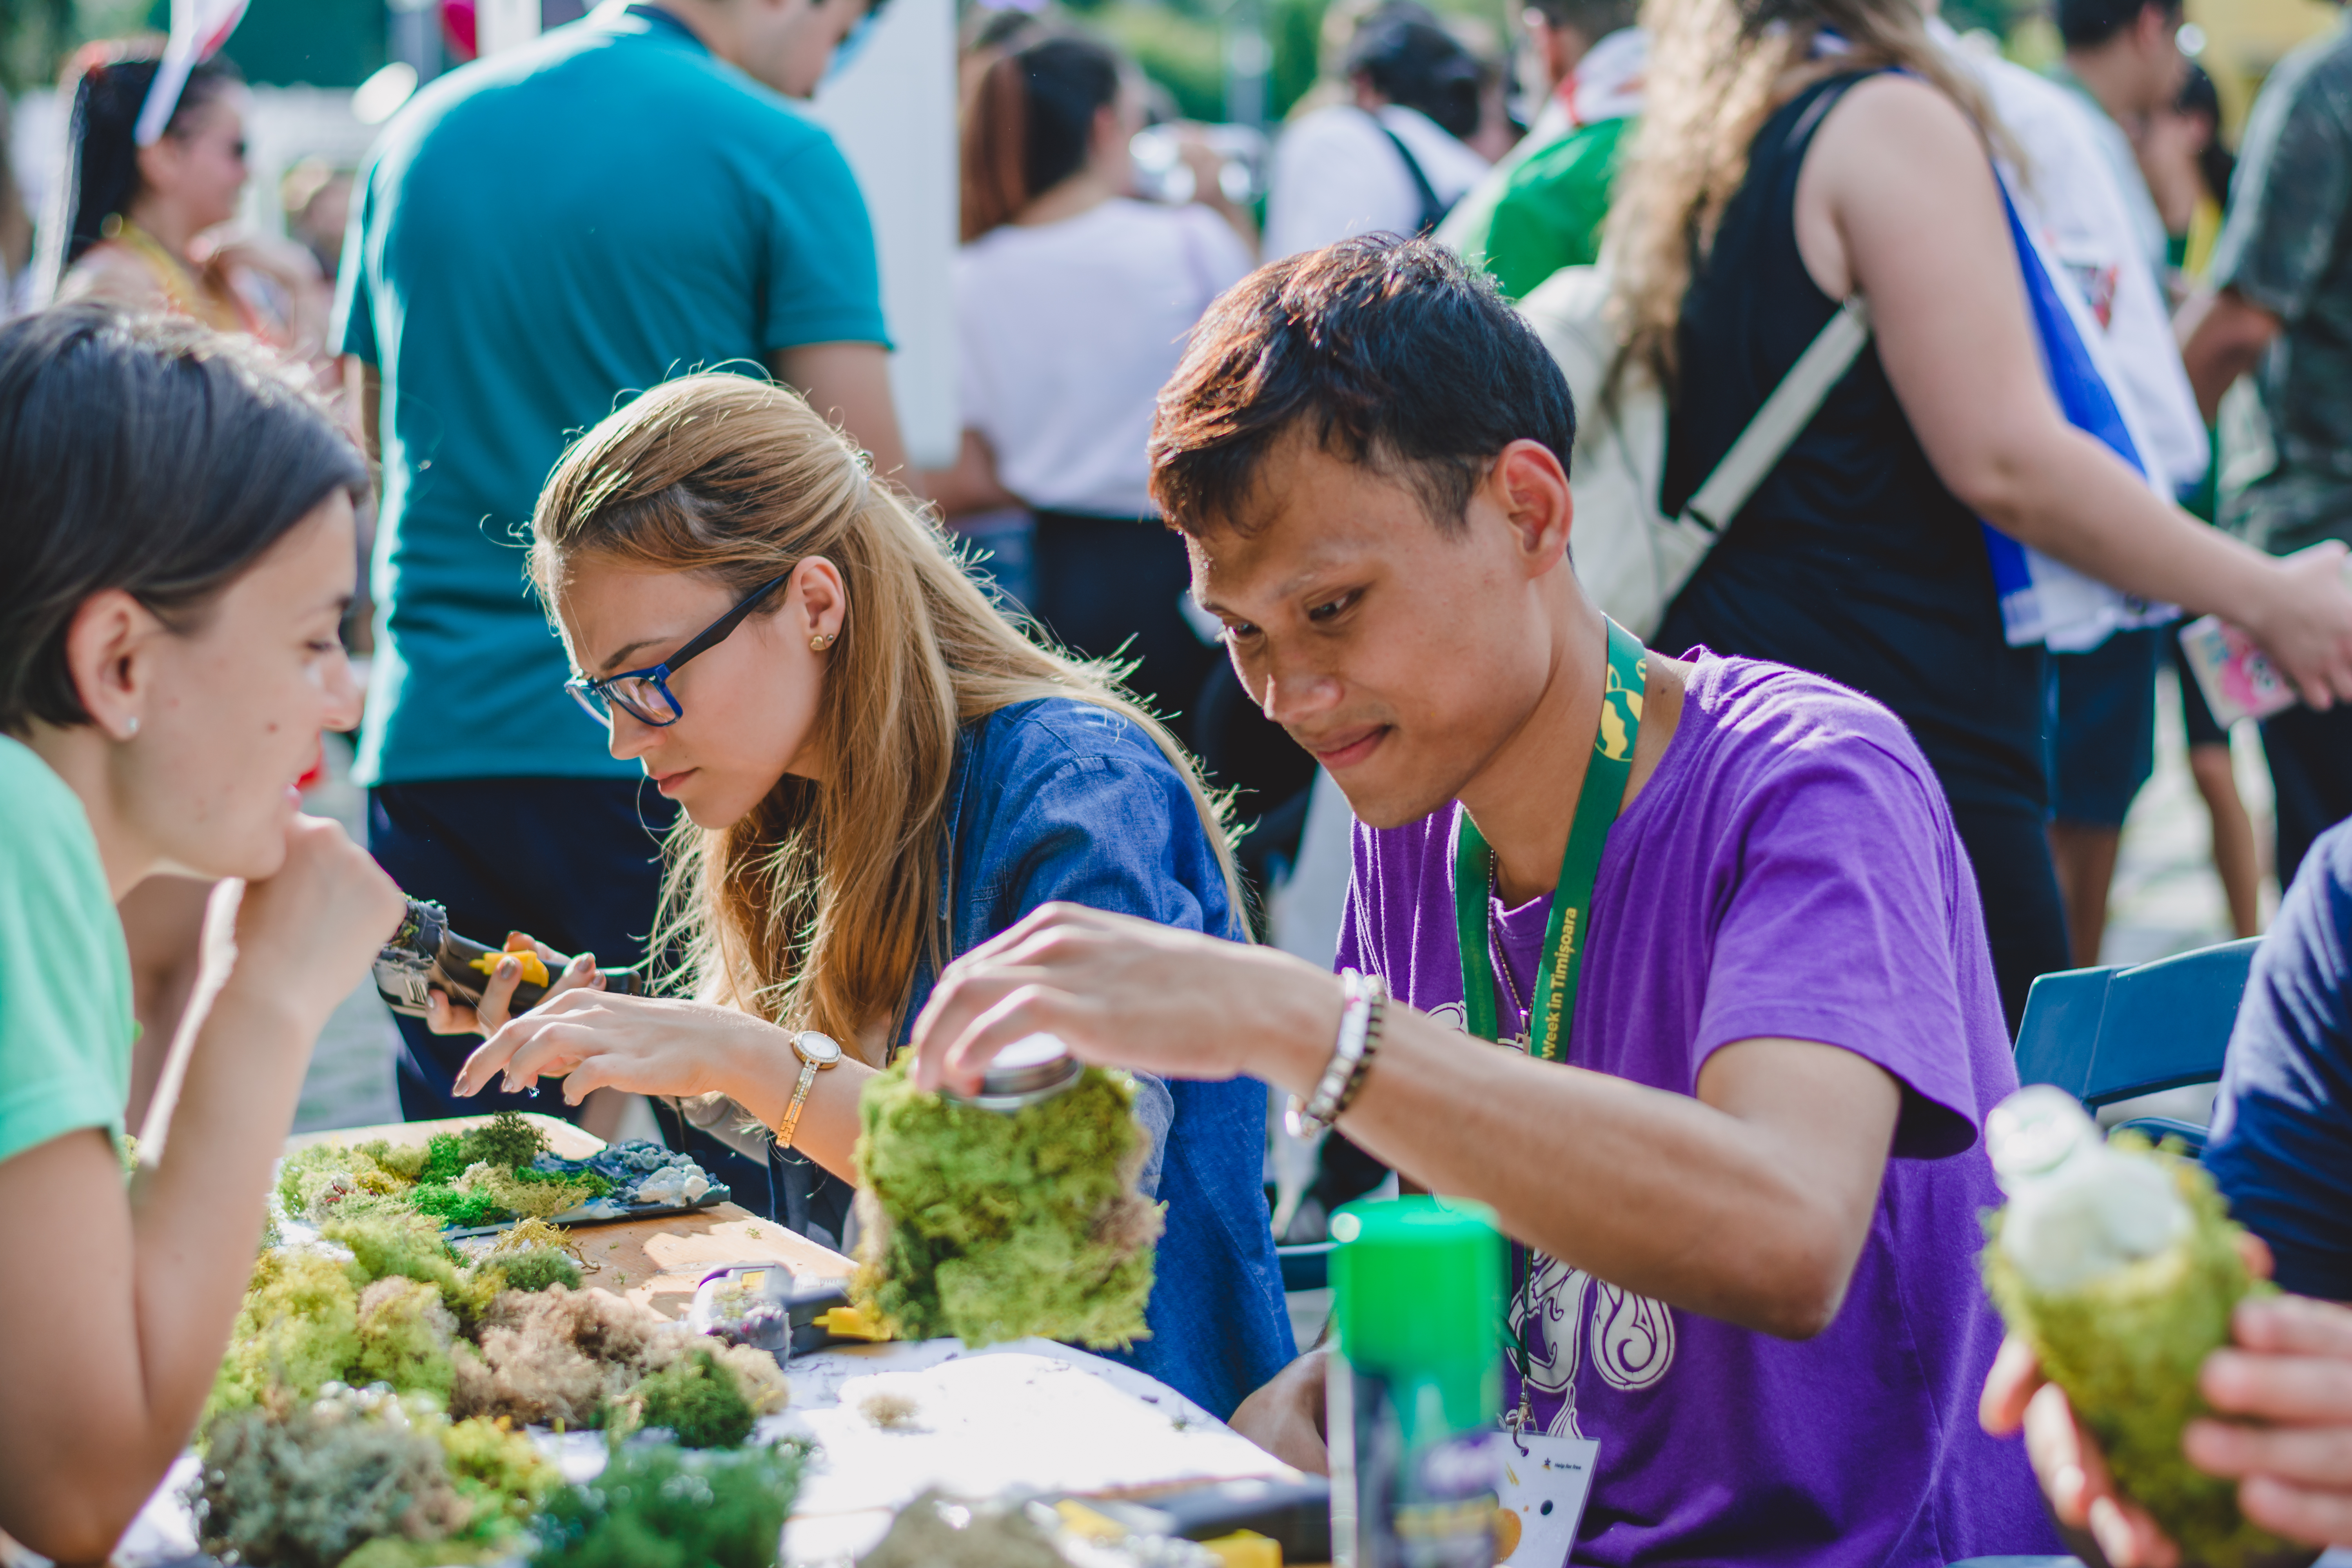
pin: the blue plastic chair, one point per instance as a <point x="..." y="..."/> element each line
<point x="1306" y="1265"/>
<point x="2105" y="1034"/>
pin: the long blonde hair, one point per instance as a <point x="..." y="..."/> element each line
<point x="1712" y="81"/>
<point x="813" y="910"/>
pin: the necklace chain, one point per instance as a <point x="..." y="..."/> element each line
<point x="1502" y="959"/>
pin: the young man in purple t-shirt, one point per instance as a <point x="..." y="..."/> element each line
<point x="1751" y="1181"/>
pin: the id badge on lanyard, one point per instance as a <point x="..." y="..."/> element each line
<point x="1547" y="1480"/>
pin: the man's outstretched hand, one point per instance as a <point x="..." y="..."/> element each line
<point x="1128" y="993"/>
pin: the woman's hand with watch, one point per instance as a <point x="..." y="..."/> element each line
<point x="655" y="1045"/>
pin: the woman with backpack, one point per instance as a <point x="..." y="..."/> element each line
<point x="1795" y="155"/>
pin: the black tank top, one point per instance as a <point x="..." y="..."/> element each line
<point x="1851" y="560"/>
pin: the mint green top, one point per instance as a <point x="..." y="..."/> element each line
<point x="65" y="976"/>
<point x="1526" y="222"/>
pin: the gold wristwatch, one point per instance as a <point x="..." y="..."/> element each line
<point x="817" y="1052"/>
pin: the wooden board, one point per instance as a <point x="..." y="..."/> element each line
<point x="657" y="1261"/>
<point x="562" y="1137"/>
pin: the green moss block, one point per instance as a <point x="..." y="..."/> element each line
<point x="698" y="1400"/>
<point x="991" y="1227"/>
<point x="2127" y="1347"/>
<point x="661" y="1506"/>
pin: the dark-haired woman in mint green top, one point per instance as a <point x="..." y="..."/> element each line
<point x="177" y="520"/>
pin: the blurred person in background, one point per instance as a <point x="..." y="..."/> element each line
<point x="536" y="237"/>
<point x="1861" y="557"/>
<point x="2190" y="170"/>
<point x="1072" y="301"/>
<point x="2122" y="58"/>
<point x="1391" y="158"/>
<point x="316" y="198"/>
<point x="2281" y="304"/>
<point x="16" y="224"/>
<point x="142" y="227"/>
<point x="2122" y="68"/>
<point x="1540" y="209"/>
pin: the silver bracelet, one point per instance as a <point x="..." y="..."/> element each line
<point x="1366" y="996"/>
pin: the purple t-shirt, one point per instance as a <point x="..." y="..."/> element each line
<point x="1789" y="870"/>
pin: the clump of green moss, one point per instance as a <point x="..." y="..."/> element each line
<point x="500" y="1471"/>
<point x="660" y="1507"/>
<point x="697" y="1399"/>
<point x="535" y="1268"/>
<point x="305" y="1487"/>
<point x="991" y="1227"/>
<point x="2126" y="1345"/>
<point x="534" y="1195"/>
<point x="364" y="1478"/>
<point x="506" y="1140"/>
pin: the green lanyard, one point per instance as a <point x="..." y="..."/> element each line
<point x="1551" y="1009"/>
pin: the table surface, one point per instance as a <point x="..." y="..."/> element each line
<point x="1030" y="1415"/>
<point x="656" y="1261"/>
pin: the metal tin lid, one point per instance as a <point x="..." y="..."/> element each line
<point x="1024" y="1073"/>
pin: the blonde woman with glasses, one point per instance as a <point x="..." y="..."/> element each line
<point x="877" y="772"/>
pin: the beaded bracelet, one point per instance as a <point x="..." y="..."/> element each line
<point x="1367" y="997"/>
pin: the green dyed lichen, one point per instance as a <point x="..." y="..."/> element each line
<point x="991" y="1227"/>
<point x="296" y="1331"/>
<point x="935" y="1532"/>
<point x="697" y="1399"/>
<point x="404" y="1245"/>
<point x="2127" y="1345"/>
<point x="405" y="1335"/>
<point x="660" y="1507"/>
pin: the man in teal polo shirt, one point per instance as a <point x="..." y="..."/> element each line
<point x="538" y="237"/>
<point x="1540" y="208"/>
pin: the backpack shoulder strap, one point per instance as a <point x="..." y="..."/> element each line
<point x="1782" y="419"/>
<point x="1433" y="210"/>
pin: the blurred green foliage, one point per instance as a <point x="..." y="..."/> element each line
<point x="1181" y="44"/>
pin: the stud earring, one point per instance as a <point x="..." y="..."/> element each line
<point x="821" y="641"/>
<point x="130" y="728"/>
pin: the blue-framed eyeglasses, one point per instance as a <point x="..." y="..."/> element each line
<point x="645" y="694"/>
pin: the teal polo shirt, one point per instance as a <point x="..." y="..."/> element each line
<point x="536" y="239"/>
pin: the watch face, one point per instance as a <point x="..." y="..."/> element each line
<point x="819" y="1050"/>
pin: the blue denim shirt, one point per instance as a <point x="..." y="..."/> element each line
<point x="1062" y="800"/>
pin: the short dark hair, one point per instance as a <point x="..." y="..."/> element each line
<point x="2087" y="24"/>
<point x="1385" y="351"/>
<point x="145" y="453"/>
<point x="1596" y="19"/>
<point x="1410" y="59"/>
